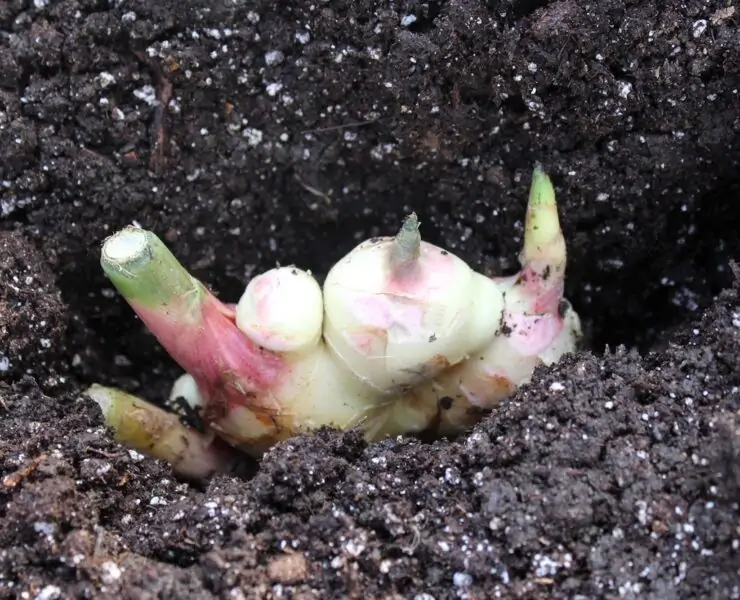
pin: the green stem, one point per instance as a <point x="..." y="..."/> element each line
<point x="144" y="270"/>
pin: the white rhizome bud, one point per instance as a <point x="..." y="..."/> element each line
<point x="396" y="316"/>
<point x="282" y="310"/>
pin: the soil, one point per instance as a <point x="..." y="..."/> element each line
<point x="254" y="133"/>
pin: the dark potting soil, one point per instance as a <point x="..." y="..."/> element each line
<point x="254" y="133"/>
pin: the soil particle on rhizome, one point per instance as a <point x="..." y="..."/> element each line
<point x="291" y="131"/>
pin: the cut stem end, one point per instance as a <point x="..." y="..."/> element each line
<point x="126" y="246"/>
<point x="143" y="269"/>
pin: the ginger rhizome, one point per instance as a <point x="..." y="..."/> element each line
<point x="403" y="337"/>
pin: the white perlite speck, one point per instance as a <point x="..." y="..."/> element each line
<point x="110" y="572"/>
<point x="147" y="94"/>
<point x="624" y="89"/>
<point x="105" y="79"/>
<point x="253" y="136"/>
<point x="698" y="28"/>
<point x="50" y="592"/>
<point x="273" y="89"/>
<point x="274" y="57"/>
